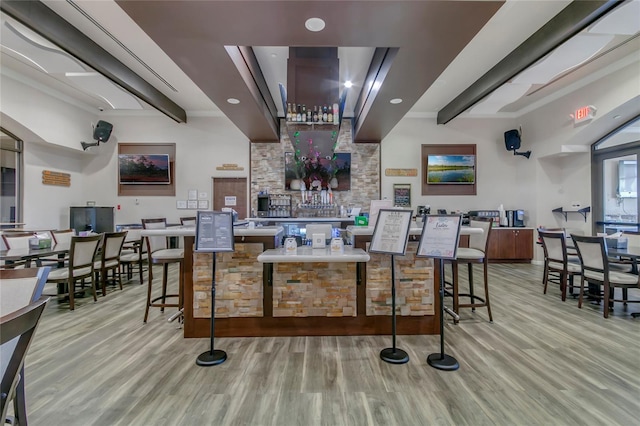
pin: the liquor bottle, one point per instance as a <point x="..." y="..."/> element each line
<point x="336" y="114"/>
<point x="304" y="113"/>
<point x="315" y="114"/>
<point x="324" y="113"/>
<point x="309" y="115"/>
<point x="299" y="114"/>
<point x="329" y="115"/>
<point x="289" y="111"/>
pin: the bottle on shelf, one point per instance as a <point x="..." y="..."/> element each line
<point x="336" y="114"/>
<point x="289" y="111"/>
<point x="304" y="112"/>
<point x="299" y="113"/>
<point x="315" y="113"/>
<point x="324" y="113"/>
<point x="309" y="115"/>
<point x="329" y="115"/>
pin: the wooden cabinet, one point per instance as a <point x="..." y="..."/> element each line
<point x="511" y="245"/>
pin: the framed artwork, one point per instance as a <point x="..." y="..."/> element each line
<point x="402" y="194"/>
<point x="146" y="169"/>
<point x="449" y="169"/>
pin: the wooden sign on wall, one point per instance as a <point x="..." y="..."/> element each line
<point x="401" y="172"/>
<point x="56" y="178"/>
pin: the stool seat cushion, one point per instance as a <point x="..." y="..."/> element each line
<point x="63" y="273"/>
<point x="166" y="254"/>
<point x="469" y="253"/>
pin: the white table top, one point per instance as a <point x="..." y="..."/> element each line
<point x="308" y="254"/>
<point x="182" y="231"/>
<point x="300" y="219"/>
<point x="414" y="230"/>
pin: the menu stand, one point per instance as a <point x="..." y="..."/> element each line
<point x="393" y="355"/>
<point x="439" y="240"/>
<point x="442" y="361"/>
<point x="212" y="356"/>
<point x="214" y="233"/>
<point x="390" y="236"/>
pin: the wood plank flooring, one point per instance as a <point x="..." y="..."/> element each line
<point x="542" y="362"/>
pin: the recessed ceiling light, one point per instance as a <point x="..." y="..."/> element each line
<point x="274" y="55"/>
<point x="348" y="84"/>
<point x="617" y="117"/>
<point x="233" y="101"/>
<point x="314" y="24"/>
<point x="395" y="101"/>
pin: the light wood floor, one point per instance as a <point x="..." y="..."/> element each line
<point x="542" y="362"/>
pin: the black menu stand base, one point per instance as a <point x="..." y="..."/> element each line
<point x="394" y="356"/>
<point x="443" y="362"/>
<point x="208" y="358"/>
<point x="212" y="356"/>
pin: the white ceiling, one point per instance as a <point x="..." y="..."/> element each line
<point x="110" y="27"/>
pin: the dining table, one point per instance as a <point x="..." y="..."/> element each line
<point x="16" y="256"/>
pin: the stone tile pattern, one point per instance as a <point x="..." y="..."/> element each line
<point x="314" y="289"/>
<point x="267" y="168"/>
<point x="238" y="283"/>
<point x="414" y="284"/>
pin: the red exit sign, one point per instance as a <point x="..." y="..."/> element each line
<point x="583" y="114"/>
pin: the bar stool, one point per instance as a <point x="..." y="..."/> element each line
<point x="159" y="253"/>
<point x="475" y="253"/>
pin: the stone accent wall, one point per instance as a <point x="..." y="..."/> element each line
<point x="414" y="284"/>
<point x="267" y="168"/>
<point x="314" y="289"/>
<point x="238" y="283"/>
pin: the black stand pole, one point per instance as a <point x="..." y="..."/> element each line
<point x="393" y="355"/>
<point x="442" y="361"/>
<point x="212" y="356"/>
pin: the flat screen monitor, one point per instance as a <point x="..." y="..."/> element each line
<point x="451" y="169"/>
<point x="144" y="169"/>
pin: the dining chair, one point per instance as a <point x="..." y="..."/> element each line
<point x="18" y="288"/>
<point x="556" y="260"/>
<point x="596" y="270"/>
<point x="159" y="253"/>
<point x="475" y="253"/>
<point x="63" y="235"/>
<point x="110" y="259"/>
<point x="82" y="253"/>
<point x="188" y="221"/>
<point x="135" y="256"/>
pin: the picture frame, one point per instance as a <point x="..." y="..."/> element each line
<point x="391" y="233"/>
<point x="440" y="236"/>
<point x="450" y="151"/>
<point x="402" y="194"/>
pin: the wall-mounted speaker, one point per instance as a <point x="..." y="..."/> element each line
<point x="102" y="131"/>
<point x="512" y="140"/>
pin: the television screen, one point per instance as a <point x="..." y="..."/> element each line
<point x="451" y="169"/>
<point x="144" y="169"/>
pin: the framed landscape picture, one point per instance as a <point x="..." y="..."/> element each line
<point x="449" y="169"/>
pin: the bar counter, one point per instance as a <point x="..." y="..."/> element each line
<point x="352" y="299"/>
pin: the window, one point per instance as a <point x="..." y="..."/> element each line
<point x="10" y="179"/>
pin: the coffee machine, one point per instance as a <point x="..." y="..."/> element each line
<point x="515" y="218"/>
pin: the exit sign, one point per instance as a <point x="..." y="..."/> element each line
<point x="584" y="113"/>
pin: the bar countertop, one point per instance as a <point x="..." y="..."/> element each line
<point x="238" y="231"/>
<point x="308" y="254"/>
<point x="414" y="230"/>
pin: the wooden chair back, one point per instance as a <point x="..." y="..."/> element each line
<point x="17" y="240"/>
<point x="480" y="241"/>
<point x="155" y="243"/>
<point x="63" y="235"/>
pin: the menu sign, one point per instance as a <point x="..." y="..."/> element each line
<point x="391" y="232"/>
<point x="440" y="236"/>
<point x="214" y="231"/>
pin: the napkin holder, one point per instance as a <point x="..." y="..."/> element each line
<point x="39" y="243"/>
<point x="620" y="242"/>
<point x="290" y="246"/>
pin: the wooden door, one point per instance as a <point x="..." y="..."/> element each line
<point x="231" y="192"/>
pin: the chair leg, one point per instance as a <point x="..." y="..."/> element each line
<point x="19" y="401"/>
<point x="606" y="299"/>
<point x="103" y="281"/>
<point x="580" y="298"/>
<point x="140" y="270"/>
<point x="93" y="288"/>
<point x="545" y="278"/>
<point x="72" y="290"/>
<point x="146" y="311"/>
<point x="454" y="278"/>
<point x="486" y="288"/>
<point x="165" y="273"/>
<point x="471" y="297"/>
<point x="563" y="286"/>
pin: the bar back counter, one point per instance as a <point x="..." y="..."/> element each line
<point x="262" y="291"/>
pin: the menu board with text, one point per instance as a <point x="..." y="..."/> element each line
<point x="440" y="236"/>
<point x="214" y="231"/>
<point x="391" y="232"/>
